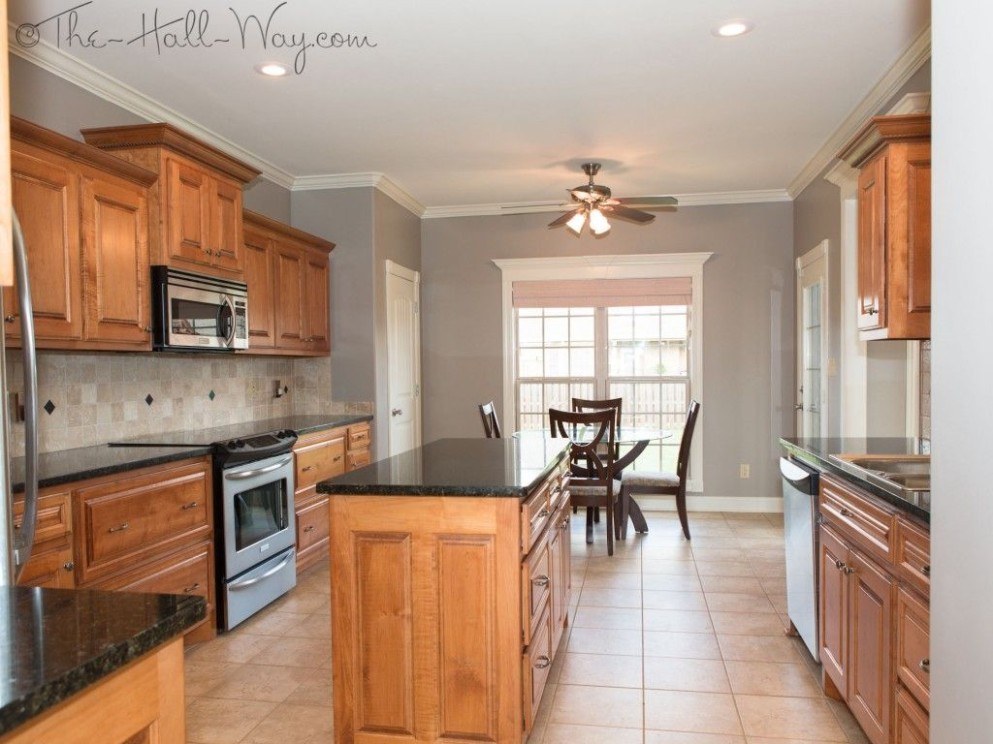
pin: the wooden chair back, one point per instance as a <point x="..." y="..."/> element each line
<point x="589" y="404"/>
<point x="491" y="424"/>
<point x="683" y="459"/>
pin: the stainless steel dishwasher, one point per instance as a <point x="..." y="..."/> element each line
<point x="799" y="518"/>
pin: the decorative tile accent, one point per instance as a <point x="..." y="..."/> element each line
<point x="211" y="394"/>
<point x="149" y="399"/>
<point x="50" y="407"/>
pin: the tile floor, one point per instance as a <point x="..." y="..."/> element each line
<point x="671" y="642"/>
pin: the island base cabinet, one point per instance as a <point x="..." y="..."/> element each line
<point x="911" y="720"/>
<point x="426" y="619"/>
<point x="140" y="704"/>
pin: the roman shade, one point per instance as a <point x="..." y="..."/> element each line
<point x="603" y="292"/>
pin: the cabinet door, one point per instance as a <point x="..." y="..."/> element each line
<point x="560" y="573"/>
<point x="187" y="215"/>
<point x="46" y="197"/>
<point x="290" y="267"/>
<point x="832" y="609"/>
<point x="317" y="289"/>
<point x="911" y="722"/>
<point x="872" y="245"/>
<point x="913" y="664"/>
<point x="313" y="526"/>
<point x="115" y="257"/>
<point x="258" y="260"/>
<point x="225" y="243"/>
<point x="871" y="615"/>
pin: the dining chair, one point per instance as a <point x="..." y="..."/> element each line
<point x="594" y="485"/>
<point x="591" y="404"/>
<point x="655" y="482"/>
<point x="491" y="424"/>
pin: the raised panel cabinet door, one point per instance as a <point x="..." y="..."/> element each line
<point x="317" y="304"/>
<point x="918" y="229"/>
<point x="46" y="198"/>
<point x="911" y="726"/>
<point x="225" y="225"/>
<point x="289" y="288"/>
<point x="872" y="245"/>
<point x="870" y="692"/>
<point x="258" y="275"/>
<point x="913" y="640"/>
<point x="115" y="260"/>
<point x="833" y="609"/>
<point x="186" y="214"/>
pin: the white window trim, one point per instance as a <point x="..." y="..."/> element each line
<point x="645" y="266"/>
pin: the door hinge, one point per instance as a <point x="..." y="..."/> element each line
<point x="417" y="308"/>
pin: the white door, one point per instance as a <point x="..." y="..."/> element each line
<point x="403" y="351"/>
<point x="812" y="339"/>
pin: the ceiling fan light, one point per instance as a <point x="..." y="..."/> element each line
<point x="598" y="223"/>
<point x="576" y="222"/>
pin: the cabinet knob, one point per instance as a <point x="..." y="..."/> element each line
<point x="68" y="565"/>
<point x="872" y="311"/>
<point x="396" y="412"/>
<point x="306" y="468"/>
<point x="542" y="662"/>
<point x="191" y="505"/>
<point x="925" y="666"/>
<point x="9" y="318"/>
<point x="337" y="459"/>
<point x="540" y="581"/>
<point x="309" y="528"/>
<point x="191" y="588"/>
<point x="926" y="569"/>
<point x="848" y="570"/>
<point x="119" y="528"/>
<point x="839" y="564"/>
<point x="845" y="512"/>
<point x="208" y="251"/>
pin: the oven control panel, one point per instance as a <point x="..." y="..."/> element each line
<point x="236" y="451"/>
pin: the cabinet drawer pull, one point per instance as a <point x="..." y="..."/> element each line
<point x="925" y="666"/>
<point x="119" y="528"/>
<point x="337" y="459"/>
<point x="845" y="513"/>
<point x="309" y="528"/>
<point x="306" y="469"/>
<point x="540" y="580"/>
<point x="68" y="565"/>
<point x="191" y="588"/>
<point x="926" y="569"/>
<point x="191" y="505"/>
<point x="542" y="514"/>
<point x="542" y="662"/>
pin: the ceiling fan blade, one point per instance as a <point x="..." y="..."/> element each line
<point x="626" y="213"/>
<point x="562" y="219"/>
<point x="648" y="201"/>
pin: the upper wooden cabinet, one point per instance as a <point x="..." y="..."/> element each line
<point x="84" y="215"/>
<point x="288" y="277"/>
<point x="197" y="202"/>
<point x="893" y="156"/>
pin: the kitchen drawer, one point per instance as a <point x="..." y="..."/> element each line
<point x="319" y="457"/>
<point x="313" y="523"/>
<point x="536" y="667"/>
<point x="190" y="571"/>
<point x="911" y="721"/>
<point x="50" y="567"/>
<point x="535" y="513"/>
<point x="558" y="494"/>
<point x="127" y="521"/>
<point x="864" y="521"/>
<point x="535" y="588"/>
<point x="913" y="619"/>
<point x="358" y="437"/>
<point x="54" y="515"/>
<point x="913" y="555"/>
<point x="358" y="459"/>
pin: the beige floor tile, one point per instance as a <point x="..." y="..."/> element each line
<point x="697" y="712"/>
<point x="772" y="678"/>
<point x="724" y="568"/>
<point x="733" y="584"/>
<point x="719" y="554"/>
<point x="272" y="684"/>
<point x="662" y="600"/>
<point x="312" y="693"/>
<point x="612" y="580"/>
<point x="682" y="621"/>
<point x="669" y="567"/>
<point x="689" y="675"/>
<point x="300" y="724"/>
<point x="217" y="721"/>
<point x="202" y="676"/>
<point x="769" y="569"/>
<point x="235" y="648"/>
<point x="682" y="737"/>
<point x="602" y="641"/>
<point x="757" y="648"/>
<point x="607" y="597"/>
<point x="681" y="645"/>
<point x="765" y="740"/>
<point x="567" y="733"/>
<point x="747" y="623"/>
<point x="619" y="618"/>
<point x="778" y="602"/>
<point x="610" y="707"/>
<point x="788" y="717"/>
<point x="843" y="715"/>
<point x="669" y="550"/>
<point x="294" y="652"/>
<point x="276" y="623"/>
<point x="599" y="669"/>
<point x="305" y="602"/>
<point x="735" y="602"/>
<point x="669" y="583"/>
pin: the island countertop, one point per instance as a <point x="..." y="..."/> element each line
<point x="456" y="467"/>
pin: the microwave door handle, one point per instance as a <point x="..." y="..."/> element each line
<point x="230" y="331"/>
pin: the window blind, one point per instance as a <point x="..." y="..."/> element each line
<point x="603" y="292"/>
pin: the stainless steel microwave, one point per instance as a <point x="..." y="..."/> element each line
<point x="196" y="312"/>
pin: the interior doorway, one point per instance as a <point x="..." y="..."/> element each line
<point x="811" y="397"/>
<point x="403" y="354"/>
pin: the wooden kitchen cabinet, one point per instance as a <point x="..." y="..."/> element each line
<point x="85" y="218"/>
<point x="196" y="204"/>
<point x="359" y="446"/>
<point x="51" y="561"/>
<point x="289" y="270"/>
<point x="893" y="156"/>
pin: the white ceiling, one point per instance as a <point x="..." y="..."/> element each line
<point x="468" y="103"/>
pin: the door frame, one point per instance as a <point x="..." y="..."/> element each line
<point x="820" y="252"/>
<point x="402" y="272"/>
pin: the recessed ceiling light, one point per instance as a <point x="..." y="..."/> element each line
<point x="272" y="69"/>
<point x="736" y="27"/>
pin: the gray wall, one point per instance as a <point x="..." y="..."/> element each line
<point x="748" y="322"/>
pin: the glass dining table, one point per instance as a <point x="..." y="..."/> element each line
<point x="636" y="438"/>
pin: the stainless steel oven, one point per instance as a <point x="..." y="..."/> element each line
<point x="193" y="312"/>
<point x="256" y="524"/>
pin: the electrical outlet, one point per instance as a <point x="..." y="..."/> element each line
<point x="744" y="470"/>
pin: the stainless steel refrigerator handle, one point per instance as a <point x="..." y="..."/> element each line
<point x="24" y="537"/>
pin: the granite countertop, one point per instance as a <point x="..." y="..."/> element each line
<point x="817" y="452"/>
<point x="67" y="466"/>
<point x="456" y="467"/>
<point x="57" y="642"/>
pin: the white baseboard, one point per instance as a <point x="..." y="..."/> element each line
<point x="712" y="503"/>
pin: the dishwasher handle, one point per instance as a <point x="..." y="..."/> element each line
<point x="799" y="476"/>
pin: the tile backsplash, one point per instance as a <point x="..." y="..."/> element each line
<point x="87" y="399"/>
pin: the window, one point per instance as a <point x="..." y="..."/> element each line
<point x="623" y="334"/>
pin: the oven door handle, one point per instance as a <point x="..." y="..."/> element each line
<point x="274" y="570"/>
<point x="243" y="474"/>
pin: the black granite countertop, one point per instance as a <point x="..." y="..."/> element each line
<point x="817" y="453"/>
<point x="456" y="467"/>
<point x="67" y="466"/>
<point x="57" y="642"/>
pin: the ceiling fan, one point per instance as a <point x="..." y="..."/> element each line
<point x="596" y="203"/>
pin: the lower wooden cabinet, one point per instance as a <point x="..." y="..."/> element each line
<point x="51" y="561"/>
<point x="912" y="722"/>
<point x="313" y="527"/>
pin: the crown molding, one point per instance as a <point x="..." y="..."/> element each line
<point x="89" y="78"/>
<point x="896" y="77"/>
<point x="379" y="181"/>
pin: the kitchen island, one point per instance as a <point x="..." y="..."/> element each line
<point x="449" y="589"/>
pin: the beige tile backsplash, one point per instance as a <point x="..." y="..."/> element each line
<point x="99" y="398"/>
